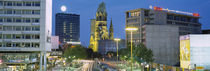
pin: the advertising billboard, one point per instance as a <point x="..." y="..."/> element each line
<point x="185" y="51"/>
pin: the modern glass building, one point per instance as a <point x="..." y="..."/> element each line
<point x="25" y="32"/>
<point x="67" y="27"/>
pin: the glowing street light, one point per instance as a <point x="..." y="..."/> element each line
<point x="117" y="39"/>
<point x="131" y="29"/>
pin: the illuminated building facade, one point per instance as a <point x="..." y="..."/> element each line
<point x="67" y="27"/>
<point x="99" y="29"/>
<point x="25" y="32"/>
<point x="144" y="19"/>
<point x="194" y="51"/>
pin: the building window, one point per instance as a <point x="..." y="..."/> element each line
<point x="9" y="19"/>
<point x="18" y="44"/>
<point x="35" y="45"/>
<point x="7" y="36"/>
<point x="27" y="3"/>
<point x="1" y="11"/>
<point x="1" y="19"/>
<point x="27" y="36"/>
<point x="36" y="28"/>
<point x="9" y="3"/>
<point x="27" y="28"/>
<point x="0" y="36"/>
<point x="18" y="3"/>
<point x="36" y="36"/>
<point x="17" y="36"/>
<point x="17" y="12"/>
<point x="0" y="44"/>
<point x="27" y="44"/>
<point x="8" y="44"/>
<point x="18" y="28"/>
<point x="18" y="20"/>
<point x="1" y="28"/>
<point x="7" y="28"/>
<point x="36" y="20"/>
<point x="27" y="20"/>
<point x="26" y="11"/>
<point x="36" y="12"/>
<point x="36" y="3"/>
<point x="1" y="3"/>
<point x="8" y="11"/>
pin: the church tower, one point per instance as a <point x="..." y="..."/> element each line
<point x="99" y="29"/>
<point x="111" y="32"/>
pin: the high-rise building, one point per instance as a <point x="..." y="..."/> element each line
<point x="99" y="29"/>
<point x="156" y="18"/>
<point x="67" y="27"/>
<point x="25" y="32"/>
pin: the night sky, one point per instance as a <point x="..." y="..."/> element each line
<point x="116" y="10"/>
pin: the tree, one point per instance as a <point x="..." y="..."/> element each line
<point x="77" y="52"/>
<point x="140" y="53"/>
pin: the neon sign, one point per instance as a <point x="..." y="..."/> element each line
<point x="163" y="9"/>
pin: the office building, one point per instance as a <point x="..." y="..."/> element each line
<point x="163" y="41"/>
<point x="25" y="32"/>
<point x="194" y="51"/>
<point x="144" y="19"/>
<point x="99" y="30"/>
<point x="67" y="27"/>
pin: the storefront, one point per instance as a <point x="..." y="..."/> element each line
<point x="19" y="61"/>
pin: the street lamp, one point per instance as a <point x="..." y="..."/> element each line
<point x="117" y="39"/>
<point x="131" y="29"/>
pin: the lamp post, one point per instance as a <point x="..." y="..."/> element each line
<point x="131" y="29"/>
<point x="117" y="39"/>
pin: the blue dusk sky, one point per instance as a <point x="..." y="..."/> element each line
<point x="116" y="10"/>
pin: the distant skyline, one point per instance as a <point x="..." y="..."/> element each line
<point x="116" y="10"/>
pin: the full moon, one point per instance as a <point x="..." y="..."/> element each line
<point x="63" y="8"/>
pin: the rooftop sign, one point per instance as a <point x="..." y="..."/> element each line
<point x="166" y="9"/>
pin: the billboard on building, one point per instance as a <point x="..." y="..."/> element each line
<point x="185" y="51"/>
<point x="55" y="42"/>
